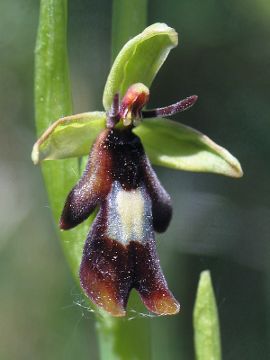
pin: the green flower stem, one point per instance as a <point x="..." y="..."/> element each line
<point x="129" y="18"/>
<point x="206" y="322"/>
<point x="122" y="339"/>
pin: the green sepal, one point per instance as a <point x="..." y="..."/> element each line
<point x="171" y="144"/>
<point x="139" y="60"/>
<point x="71" y="136"/>
<point x="206" y="321"/>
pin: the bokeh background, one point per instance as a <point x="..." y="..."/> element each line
<point x="219" y="223"/>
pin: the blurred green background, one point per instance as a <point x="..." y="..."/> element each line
<point x="219" y="223"/>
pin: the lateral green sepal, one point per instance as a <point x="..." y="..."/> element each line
<point x="70" y="136"/>
<point x="174" y="145"/>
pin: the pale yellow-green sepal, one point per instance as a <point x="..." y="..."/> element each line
<point x="70" y="136"/>
<point x="171" y="144"/>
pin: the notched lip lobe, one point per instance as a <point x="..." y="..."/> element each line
<point x="112" y="296"/>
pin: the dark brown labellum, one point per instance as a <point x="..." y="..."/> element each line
<point x="120" y="250"/>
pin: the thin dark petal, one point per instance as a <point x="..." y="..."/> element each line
<point x="149" y="280"/>
<point x="91" y="188"/>
<point x="171" y="109"/>
<point x="161" y="201"/>
<point x="106" y="270"/>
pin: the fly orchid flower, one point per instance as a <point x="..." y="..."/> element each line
<point x="120" y="251"/>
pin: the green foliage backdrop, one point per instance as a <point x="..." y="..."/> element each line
<point x="219" y="223"/>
